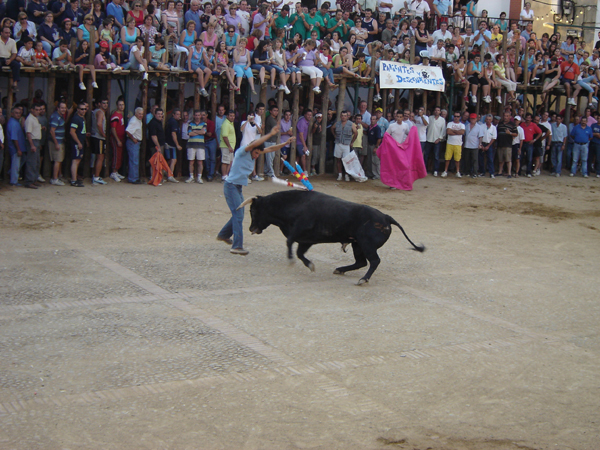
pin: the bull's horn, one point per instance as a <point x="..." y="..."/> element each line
<point x="245" y="202"/>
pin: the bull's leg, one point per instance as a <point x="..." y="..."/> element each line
<point x="361" y="261"/>
<point x="290" y="242"/>
<point x="302" y="249"/>
<point x="373" y="257"/>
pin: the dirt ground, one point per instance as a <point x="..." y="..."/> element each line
<point x="124" y="324"/>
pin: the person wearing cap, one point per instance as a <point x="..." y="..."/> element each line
<point x="517" y="144"/>
<point x="382" y="122"/>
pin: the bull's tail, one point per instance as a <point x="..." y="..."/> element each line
<point x="419" y="248"/>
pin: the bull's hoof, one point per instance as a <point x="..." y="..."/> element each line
<point x="311" y="266"/>
<point x="362" y="281"/>
<point x="344" y="247"/>
<point x="338" y="272"/>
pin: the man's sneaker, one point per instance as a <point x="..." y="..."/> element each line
<point x="82" y="86"/>
<point x="458" y="175"/>
<point x="347" y="178"/>
<point x="435" y="173"/>
<point x="172" y="180"/>
<point x="391" y="97"/>
<point x="239" y="251"/>
<point x="223" y="177"/>
<point x="190" y="179"/>
<point x="257" y="178"/>
<point x="528" y="175"/>
<point x="95" y="85"/>
<point x="598" y="175"/>
<point x="145" y="77"/>
<point x="286" y="90"/>
<point x="199" y="180"/>
<point x="377" y="98"/>
<point x="557" y="175"/>
<point x="444" y="174"/>
<point x="474" y="98"/>
<point x="499" y="99"/>
<point x="313" y="173"/>
<point x="492" y="176"/>
<point x="226" y="240"/>
<point x="487" y="99"/>
<point x="203" y="92"/>
<point x="56" y="182"/>
<point x="585" y="176"/>
<point x="339" y="178"/>
<point x="115" y="177"/>
<point x="572" y="102"/>
<point x="98" y="180"/>
<point x="77" y="183"/>
<point x="41" y="179"/>
<point x="120" y="176"/>
<point x="571" y="174"/>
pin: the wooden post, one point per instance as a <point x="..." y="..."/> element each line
<point x="197" y="93"/>
<point x="384" y="100"/>
<point x="260" y="162"/>
<point x="295" y="111"/>
<point x="181" y="106"/>
<point x="9" y="105"/>
<point x="50" y="94"/>
<point x="323" y="137"/>
<point x="87" y="151"/>
<point x="424" y="101"/>
<point x="143" y="147"/>
<point x="526" y="79"/>
<point x="396" y="103"/>
<point x="31" y="87"/>
<point x="411" y="93"/>
<point x="341" y="99"/>
<point x="371" y="84"/>
<point x="277" y="157"/>
<point x="163" y="98"/>
<point x="311" y="105"/>
<point x="213" y="97"/>
<point x="232" y="100"/>
<point x="109" y="150"/>
<point x="92" y="46"/>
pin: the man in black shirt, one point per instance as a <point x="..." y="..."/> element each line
<point x="507" y="130"/>
<point x="172" y="136"/>
<point x="156" y="135"/>
<point x="78" y="134"/>
<point x="271" y="122"/>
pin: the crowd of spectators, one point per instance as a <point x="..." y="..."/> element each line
<point x="284" y="41"/>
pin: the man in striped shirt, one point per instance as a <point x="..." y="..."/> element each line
<point x="56" y="144"/>
<point x="195" y="146"/>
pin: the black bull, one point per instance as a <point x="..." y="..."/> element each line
<point x="310" y="218"/>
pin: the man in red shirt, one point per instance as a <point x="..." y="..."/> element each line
<point x="569" y="72"/>
<point x="532" y="133"/>
<point x="117" y="139"/>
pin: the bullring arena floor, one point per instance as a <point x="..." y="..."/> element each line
<point x="125" y="325"/>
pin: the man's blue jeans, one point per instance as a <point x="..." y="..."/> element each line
<point x="528" y="148"/>
<point x="490" y="160"/>
<point x="432" y="147"/>
<point x="556" y="157"/>
<point x="16" y="164"/>
<point x="234" y="198"/>
<point x="269" y="157"/>
<point x="133" y="151"/>
<point x="580" y="151"/>
<point x="211" y="158"/>
<point x="594" y="151"/>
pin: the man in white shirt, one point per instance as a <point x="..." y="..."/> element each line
<point x="398" y="130"/>
<point x="490" y="135"/>
<point x="244" y="16"/>
<point x="134" y="139"/>
<point x="442" y="33"/>
<point x="385" y="7"/>
<point x="421" y="122"/>
<point x="437" y="53"/>
<point x="418" y="8"/>
<point x="436" y="130"/>
<point x="455" y="131"/>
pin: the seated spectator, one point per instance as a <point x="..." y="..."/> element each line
<point x="26" y="55"/>
<point x="136" y="58"/>
<point x="158" y="56"/>
<point x="86" y="30"/>
<point x="148" y="29"/>
<point x="49" y="33"/>
<point x="107" y="34"/>
<point x="569" y="72"/>
<point x="61" y="56"/>
<point x="82" y="62"/>
<point x="41" y="57"/>
<point x="23" y="28"/>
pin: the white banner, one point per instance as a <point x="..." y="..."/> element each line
<point x="394" y="75"/>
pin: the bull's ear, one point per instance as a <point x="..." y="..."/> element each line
<point x="245" y="202"/>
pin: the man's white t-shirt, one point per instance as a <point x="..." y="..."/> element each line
<point x="249" y="134"/>
<point x="422" y="128"/>
<point x="437" y="35"/>
<point x="398" y="131"/>
<point x="520" y="137"/>
<point x="455" y="139"/>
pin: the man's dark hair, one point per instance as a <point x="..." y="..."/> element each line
<point x="230" y="111"/>
<point x="273" y="107"/>
<point x="259" y="105"/>
<point x="157" y="110"/>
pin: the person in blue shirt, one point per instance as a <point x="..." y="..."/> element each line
<point x="582" y="135"/>
<point x="595" y="145"/>
<point x="241" y="168"/>
<point x="16" y="144"/>
<point x="115" y="9"/>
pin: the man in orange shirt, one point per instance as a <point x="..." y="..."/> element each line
<point x="569" y="72"/>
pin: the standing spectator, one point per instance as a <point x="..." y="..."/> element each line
<point x="196" y="150"/>
<point x="33" y="132"/>
<point x="98" y="139"/>
<point x="436" y="131"/>
<point x="559" y="142"/>
<point x="244" y="16"/>
<point x="517" y="145"/>
<point x="227" y="143"/>
<point x="17" y="146"/>
<point x="194" y="15"/>
<point x="134" y="139"/>
<point x="345" y="133"/>
<point x="270" y="123"/>
<point x="156" y="136"/>
<point x="506" y="131"/>
<point x="455" y="131"/>
<point x="115" y="9"/>
<point x="421" y="122"/>
<point x="56" y="144"/>
<point x="532" y="134"/>
<point x="117" y="139"/>
<point x="582" y="135"/>
<point x="172" y="136"/>
<point x="286" y="132"/>
<point x="473" y="135"/>
<point x="78" y="135"/>
<point x="8" y="55"/>
<point x="210" y="144"/>
<point x="302" y="128"/>
<point x="36" y="10"/>
<point x="374" y="135"/>
<point x="526" y="15"/>
<point x="317" y="128"/>
<point x="399" y="129"/>
<point x="490" y="134"/>
<point x="43" y="120"/>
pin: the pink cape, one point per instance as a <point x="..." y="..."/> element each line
<point x="401" y="164"/>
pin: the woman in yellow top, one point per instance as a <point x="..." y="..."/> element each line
<point x="500" y="72"/>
